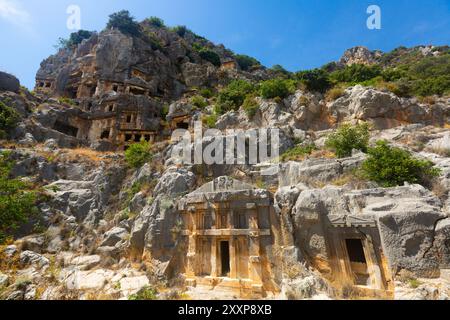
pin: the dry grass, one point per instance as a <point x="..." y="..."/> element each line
<point x="87" y="154"/>
<point x="334" y="94"/>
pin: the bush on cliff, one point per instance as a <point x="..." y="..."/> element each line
<point x="8" y="119"/>
<point x="391" y="166"/>
<point x="275" y="88"/>
<point x="347" y="138"/>
<point x="17" y="200"/>
<point x="123" y="21"/>
<point x="138" y="154"/>
<point x="233" y="96"/>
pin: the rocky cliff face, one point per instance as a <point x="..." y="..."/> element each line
<point x="105" y="230"/>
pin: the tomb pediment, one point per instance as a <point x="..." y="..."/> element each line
<point x="224" y="184"/>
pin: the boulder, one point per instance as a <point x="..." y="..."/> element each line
<point x="4" y="280"/>
<point x="175" y="181"/>
<point x="88" y="280"/>
<point x="86" y="262"/>
<point x="9" y="82"/>
<point x="34" y="259"/>
<point x="113" y="236"/>
<point x="131" y="285"/>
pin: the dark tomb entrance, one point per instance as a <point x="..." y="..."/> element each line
<point x="358" y="261"/>
<point x="225" y="257"/>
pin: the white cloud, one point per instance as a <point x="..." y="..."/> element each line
<point x="12" y="12"/>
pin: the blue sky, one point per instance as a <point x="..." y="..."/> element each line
<point x="298" y="34"/>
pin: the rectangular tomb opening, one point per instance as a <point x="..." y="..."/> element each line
<point x="225" y="258"/>
<point x="358" y="261"/>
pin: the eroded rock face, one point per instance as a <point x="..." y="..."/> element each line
<point x="359" y="55"/>
<point x="385" y="109"/>
<point x="9" y="83"/>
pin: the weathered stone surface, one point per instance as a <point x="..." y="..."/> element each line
<point x="88" y="280"/>
<point x="113" y="236"/>
<point x="175" y="181"/>
<point x="8" y="82"/>
<point x="132" y="285"/>
<point x="86" y="262"/>
<point x="34" y="259"/>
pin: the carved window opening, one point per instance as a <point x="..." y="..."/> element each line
<point x="105" y="134"/>
<point x="137" y="138"/>
<point x="137" y="91"/>
<point x="115" y="88"/>
<point x="129" y="118"/>
<point x="241" y="221"/>
<point x="183" y="125"/>
<point x="207" y="221"/>
<point x="128" y="137"/>
<point x="65" y="128"/>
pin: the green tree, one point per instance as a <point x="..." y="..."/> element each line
<point x="347" y="138"/>
<point x="123" y="21"/>
<point x="17" y="199"/>
<point x="391" y="166"/>
<point x="274" y="88"/>
<point x="155" y="22"/>
<point x="356" y="73"/>
<point x="250" y="106"/>
<point x="75" y="39"/>
<point x="8" y="119"/>
<point x="138" y="154"/>
<point x="246" y="62"/>
<point x="210" y="55"/>
<point x="233" y="96"/>
<point x="316" y="80"/>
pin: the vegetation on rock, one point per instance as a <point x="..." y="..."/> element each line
<point x="8" y="119"/>
<point x="391" y="166"/>
<point x="348" y="138"/>
<point x="233" y="96"/>
<point x="123" y="21"/>
<point x="138" y="154"/>
<point x="17" y="199"/>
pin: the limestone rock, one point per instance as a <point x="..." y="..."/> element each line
<point x="113" y="236"/>
<point x="8" y="82"/>
<point x="34" y="259"/>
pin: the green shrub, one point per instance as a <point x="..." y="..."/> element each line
<point x="165" y="111"/>
<point x="75" y="39"/>
<point x="432" y="86"/>
<point x="390" y="166"/>
<point x="138" y="154"/>
<point x="356" y="73"/>
<point x="210" y="120"/>
<point x="123" y="21"/>
<point x="246" y="62"/>
<point x="8" y="119"/>
<point x="17" y="200"/>
<point x="274" y="88"/>
<point x="206" y="93"/>
<point x="334" y="94"/>
<point x="155" y="22"/>
<point x="314" y="80"/>
<point x="180" y="30"/>
<point x="199" y="102"/>
<point x="233" y="96"/>
<point x="280" y="70"/>
<point x="146" y="293"/>
<point x="298" y="152"/>
<point x="347" y="138"/>
<point x="250" y="106"/>
<point x="210" y="55"/>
